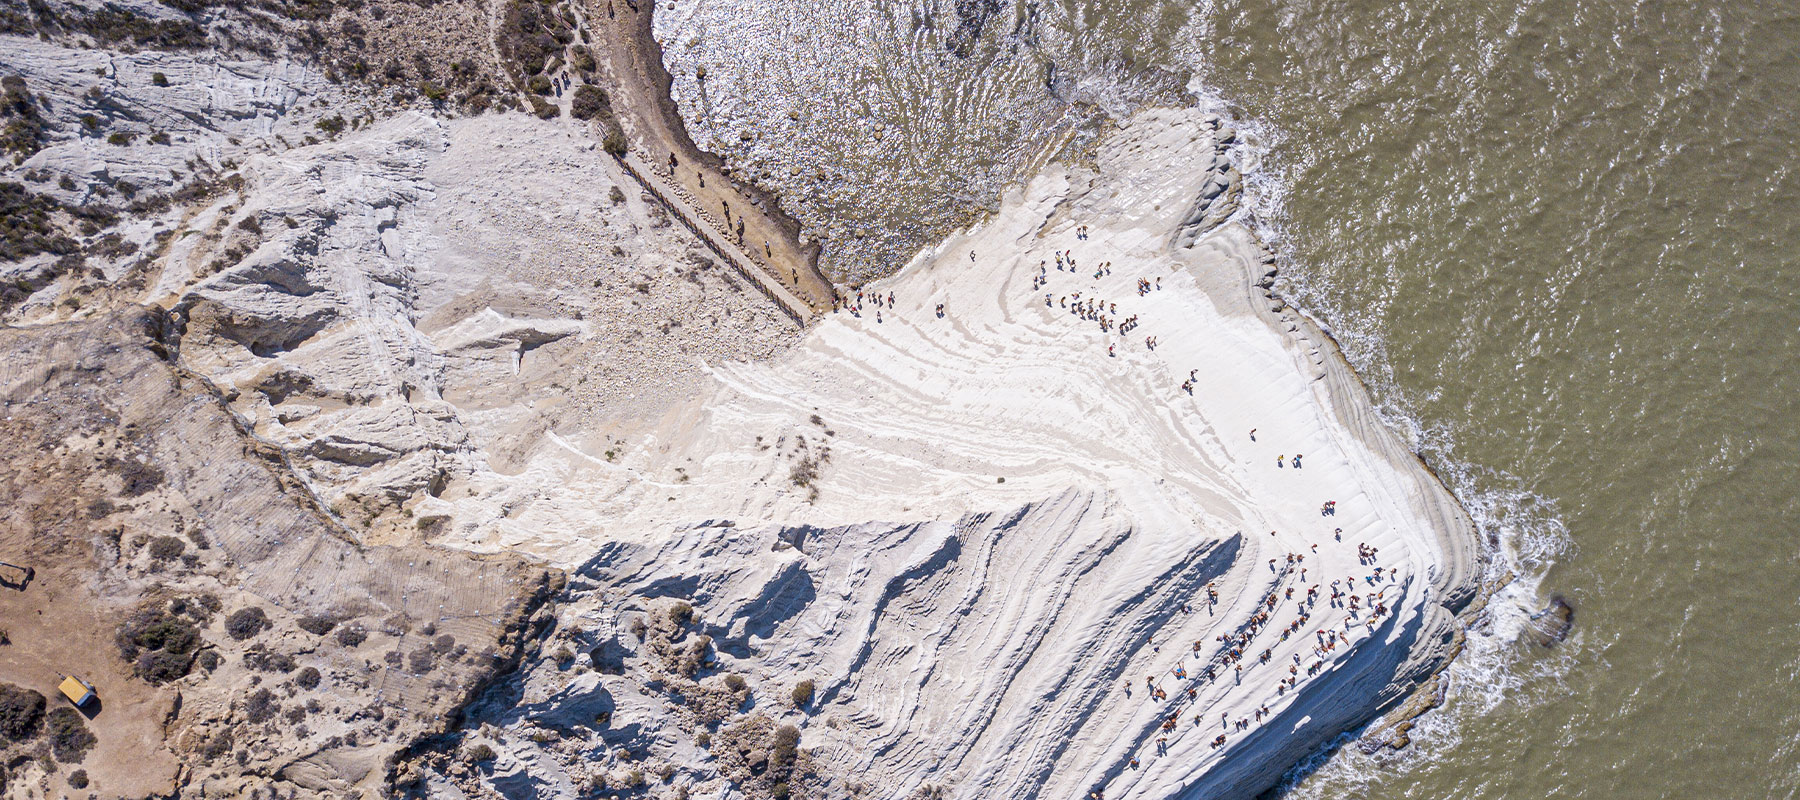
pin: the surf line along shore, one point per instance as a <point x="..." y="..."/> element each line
<point x="1154" y="602"/>
<point x="745" y="222"/>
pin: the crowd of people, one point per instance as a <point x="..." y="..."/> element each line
<point x="1291" y="597"/>
<point x="1292" y="594"/>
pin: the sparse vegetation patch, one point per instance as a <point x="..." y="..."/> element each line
<point x="161" y="639"/>
<point x="21" y="710"/>
<point x="68" y="734"/>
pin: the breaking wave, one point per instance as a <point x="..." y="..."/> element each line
<point x="1521" y="532"/>
<point x="883" y="141"/>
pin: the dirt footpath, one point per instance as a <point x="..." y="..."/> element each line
<point x="743" y="214"/>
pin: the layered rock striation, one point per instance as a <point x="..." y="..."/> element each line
<point x="1007" y="543"/>
<point x="1069" y="504"/>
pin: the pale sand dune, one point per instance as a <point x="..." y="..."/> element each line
<point x="981" y="635"/>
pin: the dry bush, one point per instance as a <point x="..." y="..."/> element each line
<point x="21" y="710"/>
<point x="69" y="735"/>
<point x="246" y="623"/>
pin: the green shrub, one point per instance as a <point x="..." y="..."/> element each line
<point x="614" y="142"/>
<point x="538" y="84"/>
<point x="803" y="693"/>
<point x="695" y="657"/>
<point x="582" y="58"/>
<point x="246" y="623"/>
<point x="159" y="79"/>
<point x="261" y="707"/>
<point x="69" y="735"/>
<point x="317" y="624"/>
<point x="120" y="138"/>
<point x="333" y="124"/>
<point x="433" y="92"/>
<point x="528" y="36"/>
<point x="164" y="548"/>
<point x="21" y="710"/>
<point x="352" y="635"/>
<point x="111" y="25"/>
<point x="78" y="779"/>
<point x="783" y="749"/>
<point x="589" y="102"/>
<point x="734" y="682"/>
<point x="24" y="133"/>
<point x="218" y="745"/>
<point x="264" y="661"/>
<point x="308" y="678"/>
<point x="159" y="642"/>
<point x="162" y="666"/>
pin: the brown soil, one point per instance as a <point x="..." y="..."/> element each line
<point x="58" y="625"/>
<point x="126" y="483"/>
<point x="631" y="59"/>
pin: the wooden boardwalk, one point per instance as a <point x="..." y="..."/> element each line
<point x="708" y="230"/>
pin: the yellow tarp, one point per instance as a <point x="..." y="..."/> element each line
<point x="75" y="690"/>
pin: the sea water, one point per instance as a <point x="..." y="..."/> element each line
<point x="1560" y="239"/>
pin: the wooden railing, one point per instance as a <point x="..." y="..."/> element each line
<point x="759" y="273"/>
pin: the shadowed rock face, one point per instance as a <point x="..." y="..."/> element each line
<point x="132" y="490"/>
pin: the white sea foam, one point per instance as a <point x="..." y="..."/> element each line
<point x="1521" y="532"/>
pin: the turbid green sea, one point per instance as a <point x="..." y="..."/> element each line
<point x="1560" y="239"/>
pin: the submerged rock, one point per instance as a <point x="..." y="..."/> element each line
<point x="1552" y="624"/>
